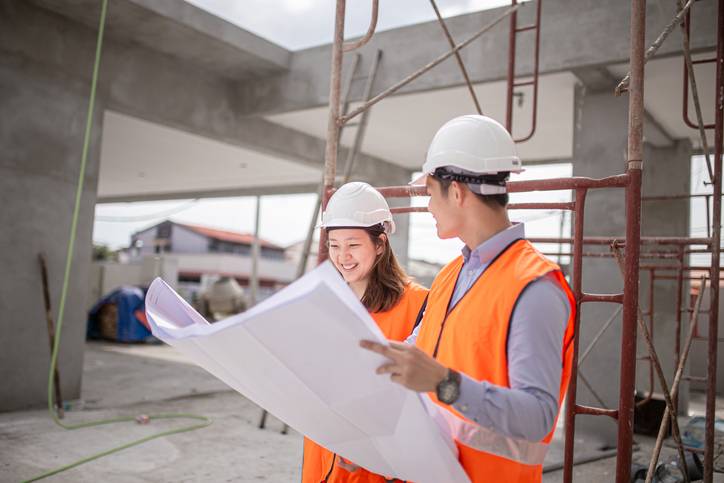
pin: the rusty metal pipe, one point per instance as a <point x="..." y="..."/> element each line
<point x="350" y="46"/>
<point x="664" y="240"/>
<point x="690" y="77"/>
<point x="536" y="73"/>
<point x="667" y="268"/>
<point x="686" y="27"/>
<point x="557" y="184"/>
<point x="617" y="298"/>
<point x="633" y="234"/>
<point x="674" y="277"/>
<point x="647" y="255"/>
<point x="332" y="147"/>
<point x="570" y="414"/>
<point x="716" y="251"/>
<point x="611" y="413"/>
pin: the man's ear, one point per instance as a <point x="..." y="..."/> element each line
<point x="458" y="193"/>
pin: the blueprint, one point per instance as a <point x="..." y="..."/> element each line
<point x="297" y="355"/>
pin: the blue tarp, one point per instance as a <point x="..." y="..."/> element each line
<point x="128" y="300"/>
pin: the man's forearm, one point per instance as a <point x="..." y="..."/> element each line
<point x="520" y="413"/>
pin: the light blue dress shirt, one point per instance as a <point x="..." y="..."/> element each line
<point x="526" y="410"/>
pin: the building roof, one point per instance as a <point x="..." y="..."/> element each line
<point x="228" y="236"/>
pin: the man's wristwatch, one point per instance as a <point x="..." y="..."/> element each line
<point x="448" y="390"/>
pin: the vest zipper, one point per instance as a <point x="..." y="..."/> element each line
<point x="439" y="338"/>
<point x="447" y="312"/>
<point x="329" y="473"/>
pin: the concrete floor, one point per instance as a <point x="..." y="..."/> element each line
<point x="134" y="380"/>
<point x="122" y="380"/>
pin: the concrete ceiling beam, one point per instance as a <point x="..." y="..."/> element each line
<point x="145" y="83"/>
<point x="184" y="31"/>
<point x="574" y="33"/>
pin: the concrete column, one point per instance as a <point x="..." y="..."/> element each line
<point x="400" y="241"/>
<point x="667" y="171"/>
<point x="42" y="121"/>
<point x="600" y="151"/>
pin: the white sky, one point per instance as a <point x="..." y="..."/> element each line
<point x="285" y="219"/>
<point x="315" y="18"/>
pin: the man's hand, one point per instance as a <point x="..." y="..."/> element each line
<point x="408" y="366"/>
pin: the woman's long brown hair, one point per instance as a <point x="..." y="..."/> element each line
<point x="387" y="279"/>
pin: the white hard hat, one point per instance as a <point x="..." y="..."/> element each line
<point x="357" y="205"/>
<point x="473" y="145"/>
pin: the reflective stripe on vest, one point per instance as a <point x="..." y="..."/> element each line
<point x="484" y="439"/>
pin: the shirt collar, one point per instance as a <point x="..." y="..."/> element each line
<point x="492" y="247"/>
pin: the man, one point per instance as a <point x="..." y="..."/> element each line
<point x="494" y="348"/>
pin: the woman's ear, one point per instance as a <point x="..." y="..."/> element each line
<point x="380" y="245"/>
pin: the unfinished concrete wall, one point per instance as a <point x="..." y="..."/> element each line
<point x="42" y="122"/>
<point x="667" y="172"/>
<point x="600" y="150"/>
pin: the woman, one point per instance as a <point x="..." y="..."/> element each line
<point x="358" y="222"/>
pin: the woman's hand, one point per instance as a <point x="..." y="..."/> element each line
<point x="408" y="366"/>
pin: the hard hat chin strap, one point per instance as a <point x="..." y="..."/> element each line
<point x="484" y="184"/>
<point x="487" y="189"/>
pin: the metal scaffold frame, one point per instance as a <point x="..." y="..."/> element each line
<point x="627" y="252"/>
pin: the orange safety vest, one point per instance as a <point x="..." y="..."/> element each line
<point x="321" y="465"/>
<point x="472" y="339"/>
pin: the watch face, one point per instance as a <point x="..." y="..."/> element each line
<point x="448" y="391"/>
